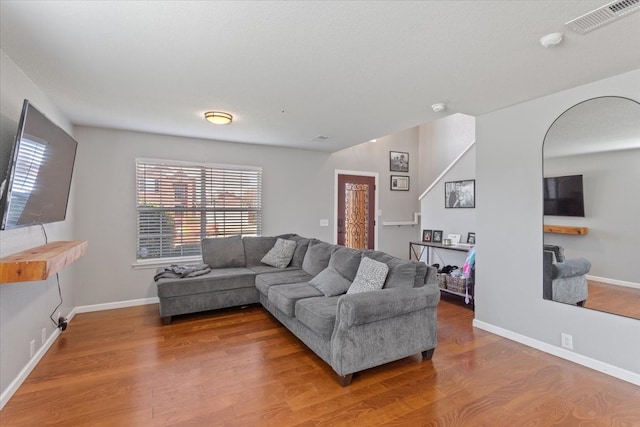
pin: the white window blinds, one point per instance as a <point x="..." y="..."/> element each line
<point x="180" y="203"/>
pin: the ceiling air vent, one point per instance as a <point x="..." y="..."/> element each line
<point x="322" y="138"/>
<point x="603" y="15"/>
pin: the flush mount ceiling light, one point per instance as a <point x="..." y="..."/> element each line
<point x="551" y="40"/>
<point x="218" y="117"/>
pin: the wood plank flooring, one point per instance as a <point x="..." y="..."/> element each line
<point x="240" y="367"/>
<point x="621" y="300"/>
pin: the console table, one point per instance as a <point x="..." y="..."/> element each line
<point x="417" y="249"/>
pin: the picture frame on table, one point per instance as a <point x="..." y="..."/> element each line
<point x="399" y="183"/>
<point x="426" y="235"/>
<point x="398" y="161"/>
<point x="437" y="236"/>
<point x="460" y="194"/>
<point x="471" y="238"/>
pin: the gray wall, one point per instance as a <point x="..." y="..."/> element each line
<point x="298" y="191"/>
<point x="509" y="224"/>
<point x="441" y="142"/>
<point x="451" y="220"/>
<point x="25" y="307"/>
<point x="611" y="182"/>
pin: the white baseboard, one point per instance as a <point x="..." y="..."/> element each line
<point x="605" y="368"/>
<point x="24" y="373"/>
<point x="613" y="281"/>
<point x="33" y="362"/>
<point x="114" y="305"/>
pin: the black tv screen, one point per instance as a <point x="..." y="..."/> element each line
<point x="36" y="190"/>
<point x="563" y="196"/>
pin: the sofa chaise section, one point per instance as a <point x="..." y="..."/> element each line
<point x="311" y="297"/>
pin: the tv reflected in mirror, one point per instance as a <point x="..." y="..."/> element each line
<point x="564" y="196"/>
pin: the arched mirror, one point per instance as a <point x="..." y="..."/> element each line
<point x="591" y="170"/>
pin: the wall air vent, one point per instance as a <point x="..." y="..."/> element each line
<point x="603" y="15"/>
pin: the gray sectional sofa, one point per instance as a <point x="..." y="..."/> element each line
<point x="310" y="296"/>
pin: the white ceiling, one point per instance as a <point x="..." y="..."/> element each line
<point x="292" y="71"/>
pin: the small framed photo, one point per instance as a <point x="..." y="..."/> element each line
<point x="437" y="236"/>
<point x="460" y="194"/>
<point x="399" y="183"/>
<point x="398" y="161"/>
<point x="426" y="235"/>
<point x="471" y="238"/>
<point x="454" y="238"/>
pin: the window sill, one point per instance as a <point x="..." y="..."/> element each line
<point x="144" y="264"/>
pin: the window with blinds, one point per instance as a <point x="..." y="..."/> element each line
<point x="180" y="203"/>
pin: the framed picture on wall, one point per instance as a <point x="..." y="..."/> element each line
<point x="437" y="236"/>
<point x="426" y="235"/>
<point x="398" y="161"/>
<point x="399" y="183"/>
<point x="460" y="194"/>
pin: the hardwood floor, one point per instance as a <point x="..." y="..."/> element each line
<point x="621" y="300"/>
<point x="240" y="367"/>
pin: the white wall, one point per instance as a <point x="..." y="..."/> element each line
<point x="509" y="230"/>
<point x="611" y="182"/>
<point x="25" y="307"/>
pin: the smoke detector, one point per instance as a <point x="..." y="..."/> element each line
<point x="440" y="106"/>
<point x="603" y="15"/>
<point x="551" y="40"/>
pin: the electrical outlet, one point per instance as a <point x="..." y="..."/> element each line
<point x="32" y="348"/>
<point x="44" y="335"/>
<point x="567" y="341"/>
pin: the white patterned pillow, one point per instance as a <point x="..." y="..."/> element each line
<point x="370" y="276"/>
<point x="280" y="254"/>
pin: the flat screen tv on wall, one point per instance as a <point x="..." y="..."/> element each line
<point x="564" y="196"/>
<point x="36" y="187"/>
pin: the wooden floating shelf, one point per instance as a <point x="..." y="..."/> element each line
<point x="41" y="262"/>
<point x="565" y="229"/>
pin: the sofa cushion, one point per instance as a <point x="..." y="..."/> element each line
<point x="330" y="282"/>
<point x="402" y="272"/>
<point x="370" y="277"/>
<point x="302" y="244"/>
<point x="346" y="262"/>
<point x="280" y="254"/>
<point x="223" y="252"/>
<point x="220" y="279"/>
<point x="260" y="269"/>
<point x="264" y="281"/>
<point x="317" y="257"/>
<point x="255" y="248"/>
<point x="284" y="297"/>
<point x="318" y="314"/>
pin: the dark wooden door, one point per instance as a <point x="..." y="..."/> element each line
<point x="356" y="211"/>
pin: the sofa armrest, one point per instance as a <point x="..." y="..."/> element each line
<point x="571" y="268"/>
<point x="367" y="307"/>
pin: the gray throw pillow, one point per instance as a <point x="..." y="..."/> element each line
<point x="223" y="252"/>
<point x="280" y="255"/>
<point x="370" y="277"/>
<point x="330" y="282"/>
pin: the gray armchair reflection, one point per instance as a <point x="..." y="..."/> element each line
<point x="564" y="280"/>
